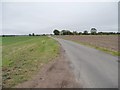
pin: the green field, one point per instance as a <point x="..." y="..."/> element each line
<point x="23" y="56"/>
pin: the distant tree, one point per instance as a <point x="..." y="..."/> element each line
<point x="93" y="31"/>
<point x="112" y="33"/>
<point x="66" y="32"/>
<point x="37" y="35"/>
<point x="51" y="34"/>
<point x="100" y="33"/>
<point x="56" y="32"/>
<point x="79" y="33"/>
<point x="75" y="33"/>
<point x="30" y="35"/>
<point x="85" y="32"/>
<point x="33" y="34"/>
<point x="118" y="33"/>
<point x="43" y="34"/>
<point x="63" y="32"/>
<point x="3" y="35"/>
<point x="71" y="33"/>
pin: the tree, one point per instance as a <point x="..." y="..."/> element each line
<point x="100" y="33"/>
<point x="93" y="31"/>
<point x="3" y="35"/>
<point x="33" y="34"/>
<point x="63" y="32"/>
<point x="66" y="32"/>
<point x="75" y="33"/>
<point x="29" y="34"/>
<point x="85" y="32"/>
<point x="56" y="32"/>
<point x="80" y="33"/>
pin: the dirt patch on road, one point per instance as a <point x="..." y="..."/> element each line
<point x="56" y="74"/>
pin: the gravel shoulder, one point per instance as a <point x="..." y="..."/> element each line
<point x="55" y="74"/>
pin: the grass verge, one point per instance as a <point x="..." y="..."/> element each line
<point x="23" y="56"/>
<point x="114" y="53"/>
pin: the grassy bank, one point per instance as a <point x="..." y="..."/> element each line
<point x="23" y="56"/>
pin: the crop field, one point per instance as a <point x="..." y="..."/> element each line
<point x="107" y="43"/>
<point x="23" y="56"/>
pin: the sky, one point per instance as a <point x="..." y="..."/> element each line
<point x="44" y="17"/>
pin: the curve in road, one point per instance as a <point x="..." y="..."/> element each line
<point x="92" y="68"/>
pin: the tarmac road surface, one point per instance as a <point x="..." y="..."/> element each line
<point x="92" y="68"/>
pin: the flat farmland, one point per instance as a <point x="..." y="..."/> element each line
<point x="107" y="43"/>
<point x="23" y="56"/>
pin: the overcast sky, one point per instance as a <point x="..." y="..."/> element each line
<point x="44" y="17"/>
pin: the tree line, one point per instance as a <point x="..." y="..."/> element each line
<point x="93" y="31"/>
<point x="31" y="34"/>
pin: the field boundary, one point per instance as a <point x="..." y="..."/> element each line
<point x="114" y="53"/>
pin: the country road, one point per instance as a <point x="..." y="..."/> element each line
<point x="92" y="68"/>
